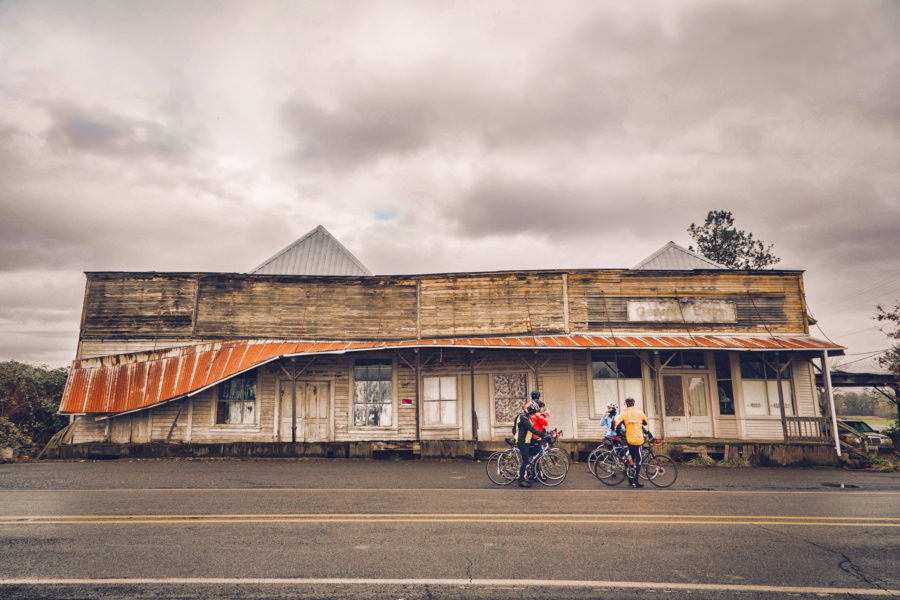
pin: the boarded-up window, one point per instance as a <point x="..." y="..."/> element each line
<point x="236" y="404"/>
<point x="509" y="396"/>
<point x="759" y="382"/>
<point x="439" y="400"/>
<point x="372" y="398"/>
<point x="616" y="376"/>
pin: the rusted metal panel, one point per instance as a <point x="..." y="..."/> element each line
<point x="201" y="370"/>
<point x="75" y="394"/>
<point x="155" y="374"/>
<point x="217" y="368"/>
<point x="170" y="377"/>
<point x="123" y="383"/>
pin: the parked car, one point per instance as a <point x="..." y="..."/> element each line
<point x="857" y="432"/>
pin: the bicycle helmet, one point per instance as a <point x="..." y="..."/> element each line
<point x="613" y="406"/>
<point x="535" y="395"/>
<point x="629" y="401"/>
<point x="532" y="407"/>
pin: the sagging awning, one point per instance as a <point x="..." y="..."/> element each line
<point x="129" y="382"/>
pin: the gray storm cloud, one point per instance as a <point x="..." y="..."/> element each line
<point x="441" y="137"/>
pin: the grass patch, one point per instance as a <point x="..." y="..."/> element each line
<point x="872" y="421"/>
<point x="734" y="462"/>
<point x="885" y="464"/>
<point x="701" y="460"/>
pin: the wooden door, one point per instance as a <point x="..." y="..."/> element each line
<point x="673" y="399"/>
<point x="696" y="389"/>
<point x="686" y="398"/>
<point x="317" y="411"/>
<point x="285" y="408"/>
<point x="557" y="395"/>
<point x="482" y="406"/>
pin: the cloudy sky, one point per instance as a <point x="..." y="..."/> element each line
<point x="439" y="136"/>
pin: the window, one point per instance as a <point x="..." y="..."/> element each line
<point x="687" y="359"/>
<point x="760" y="386"/>
<point x="236" y="404"/>
<point x="616" y="376"/>
<point x="509" y="396"/>
<point x="440" y="400"/>
<point x="372" y="398"/>
<point x="723" y="383"/>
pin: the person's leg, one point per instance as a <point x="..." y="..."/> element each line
<point x="525" y="449"/>
<point x="635" y="452"/>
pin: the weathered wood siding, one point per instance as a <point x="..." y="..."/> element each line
<point x="805" y="389"/>
<point x="196" y="419"/>
<point x="125" y="312"/>
<point x="491" y="304"/>
<point x="771" y="301"/>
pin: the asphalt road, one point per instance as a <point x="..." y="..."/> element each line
<point x="436" y="529"/>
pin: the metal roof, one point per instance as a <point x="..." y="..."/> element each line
<point x="673" y="257"/>
<point x="316" y="253"/>
<point x="129" y="382"/>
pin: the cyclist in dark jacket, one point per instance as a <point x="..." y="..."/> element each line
<point x="524" y="431"/>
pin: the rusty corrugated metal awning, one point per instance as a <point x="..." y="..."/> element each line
<point x="129" y="382"/>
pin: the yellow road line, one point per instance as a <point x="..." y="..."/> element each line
<point x="169" y="520"/>
<point x="447" y="515"/>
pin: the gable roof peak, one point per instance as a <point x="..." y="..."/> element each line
<point x="673" y="257"/>
<point x="316" y="253"/>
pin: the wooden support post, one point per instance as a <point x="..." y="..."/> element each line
<point x="784" y="429"/>
<point x="174" y="423"/>
<point x="659" y="396"/>
<point x="293" y="401"/>
<point x="472" y="394"/>
<point x="418" y="406"/>
<point x="826" y="380"/>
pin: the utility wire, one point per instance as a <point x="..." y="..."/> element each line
<point x="845" y="299"/>
<point x="856" y="361"/>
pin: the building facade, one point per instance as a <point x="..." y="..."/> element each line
<point x="707" y="353"/>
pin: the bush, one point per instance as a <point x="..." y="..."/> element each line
<point x="29" y="402"/>
<point x="11" y="436"/>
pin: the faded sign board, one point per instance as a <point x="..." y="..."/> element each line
<point x="674" y="311"/>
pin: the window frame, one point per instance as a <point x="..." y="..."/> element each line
<point x="646" y="399"/>
<point x="439" y="400"/>
<point x="717" y="377"/>
<point x="393" y="425"/>
<point x="772" y="409"/>
<point x="216" y="400"/>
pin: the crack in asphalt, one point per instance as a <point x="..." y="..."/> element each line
<point x="469" y="568"/>
<point x="846" y="564"/>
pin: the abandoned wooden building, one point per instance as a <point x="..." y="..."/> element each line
<point x="311" y="350"/>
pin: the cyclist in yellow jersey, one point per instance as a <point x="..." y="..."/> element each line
<point x="635" y="420"/>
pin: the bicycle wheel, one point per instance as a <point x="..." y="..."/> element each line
<point x="609" y="470"/>
<point x="560" y="454"/>
<point x="661" y="471"/>
<point x="502" y="467"/>
<point x="645" y="456"/>
<point x="551" y="470"/>
<point x="592" y="458"/>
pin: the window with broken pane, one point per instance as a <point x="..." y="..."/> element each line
<point x="373" y="394"/>
<point x="236" y="403"/>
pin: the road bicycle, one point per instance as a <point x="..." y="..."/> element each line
<point x="549" y="465"/>
<point x="601" y="451"/>
<point x="613" y="466"/>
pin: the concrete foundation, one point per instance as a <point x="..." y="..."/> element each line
<point x="754" y="453"/>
